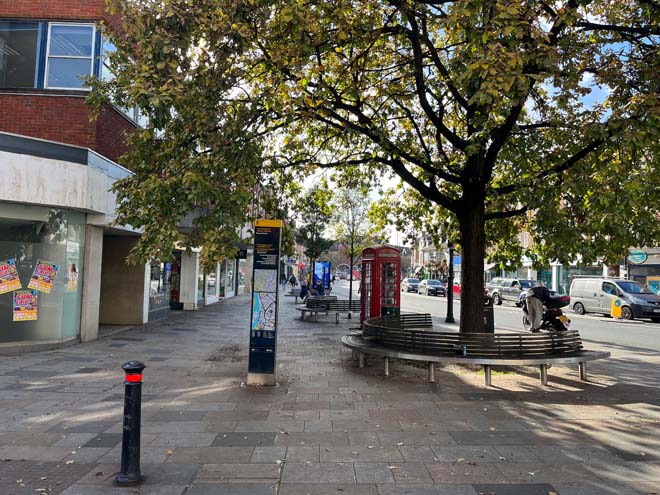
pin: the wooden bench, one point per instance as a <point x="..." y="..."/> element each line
<point x="410" y="337"/>
<point x="327" y="306"/>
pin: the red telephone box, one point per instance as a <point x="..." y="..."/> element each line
<point x="380" y="286"/>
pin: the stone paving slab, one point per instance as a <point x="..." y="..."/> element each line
<point x="328" y="427"/>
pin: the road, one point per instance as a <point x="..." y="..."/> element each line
<point x="640" y="334"/>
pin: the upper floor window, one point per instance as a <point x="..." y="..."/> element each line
<point x="44" y="54"/>
<point x="19" y="54"/>
<point x="70" y="55"/>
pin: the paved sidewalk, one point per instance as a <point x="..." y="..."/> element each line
<point x="328" y="428"/>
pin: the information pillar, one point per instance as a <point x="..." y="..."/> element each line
<point x="263" y="322"/>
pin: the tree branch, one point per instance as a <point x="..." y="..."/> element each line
<point x="506" y="214"/>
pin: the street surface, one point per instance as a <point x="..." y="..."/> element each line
<point x="329" y="427"/>
<point x="593" y="327"/>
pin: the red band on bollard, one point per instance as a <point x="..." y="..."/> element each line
<point x="134" y="377"/>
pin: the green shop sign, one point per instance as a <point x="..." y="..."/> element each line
<point x="637" y="257"/>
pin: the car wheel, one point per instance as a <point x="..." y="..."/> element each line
<point x="579" y="308"/>
<point x="626" y="313"/>
<point x="655" y="320"/>
<point x="497" y="299"/>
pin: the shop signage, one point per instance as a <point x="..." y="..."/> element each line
<point x="43" y="276"/>
<point x="9" y="279"/>
<point x="637" y="257"/>
<point x="25" y="305"/>
<point x="263" y="322"/>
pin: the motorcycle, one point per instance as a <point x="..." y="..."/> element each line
<point x="553" y="318"/>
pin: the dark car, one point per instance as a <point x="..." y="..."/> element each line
<point x="409" y="285"/>
<point x="432" y="287"/>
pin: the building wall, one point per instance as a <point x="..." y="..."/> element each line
<point x="122" y="286"/>
<point x="66" y="119"/>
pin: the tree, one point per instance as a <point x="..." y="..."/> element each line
<point x="314" y="212"/>
<point x="488" y="110"/>
<point x="351" y="226"/>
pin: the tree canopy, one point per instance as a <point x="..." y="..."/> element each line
<point x="515" y="114"/>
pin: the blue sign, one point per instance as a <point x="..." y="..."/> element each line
<point x="637" y="257"/>
<point x="322" y="272"/>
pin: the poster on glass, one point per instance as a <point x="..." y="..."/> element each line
<point x="43" y="276"/>
<point x="25" y="305"/>
<point x="9" y="279"/>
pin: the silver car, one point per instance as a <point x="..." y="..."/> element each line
<point x="409" y="285"/>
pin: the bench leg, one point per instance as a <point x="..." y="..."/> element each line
<point x="543" y="368"/>
<point x="387" y="366"/>
<point x="337" y="318"/>
<point x="432" y="372"/>
<point x="354" y="355"/>
<point x="488" y="376"/>
<point x="583" y="371"/>
<point x="302" y="315"/>
<point x="361" y="359"/>
<point x="316" y="316"/>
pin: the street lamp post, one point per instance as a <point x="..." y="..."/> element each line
<point x="450" y="286"/>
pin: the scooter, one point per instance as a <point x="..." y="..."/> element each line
<point x="553" y="319"/>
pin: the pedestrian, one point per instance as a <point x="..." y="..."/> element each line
<point x="293" y="281"/>
<point x="283" y="281"/>
<point x="536" y="298"/>
<point x="303" y="290"/>
<point x="319" y="288"/>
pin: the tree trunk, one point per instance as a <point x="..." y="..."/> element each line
<point x="473" y="248"/>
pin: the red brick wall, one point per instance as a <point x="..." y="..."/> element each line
<point x="87" y="10"/>
<point x="64" y="119"/>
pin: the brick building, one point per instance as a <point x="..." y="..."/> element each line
<point x="57" y="167"/>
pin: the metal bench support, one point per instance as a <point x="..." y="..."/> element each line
<point x="431" y="372"/>
<point x="543" y="368"/>
<point x="487" y="376"/>
<point x="387" y="366"/>
<point x="583" y="371"/>
<point x="361" y="359"/>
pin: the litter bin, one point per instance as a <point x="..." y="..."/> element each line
<point x="489" y="315"/>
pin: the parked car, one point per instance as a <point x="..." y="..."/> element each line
<point x="508" y="289"/>
<point x="432" y="287"/>
<point x="594" y="295"/>
<point x="409" y="285"/>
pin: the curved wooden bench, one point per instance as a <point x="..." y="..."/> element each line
<point x="411" y="337"/>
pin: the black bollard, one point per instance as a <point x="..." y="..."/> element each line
<point x="130" y="447"/>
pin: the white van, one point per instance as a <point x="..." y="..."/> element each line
<point x="594" y="295"/>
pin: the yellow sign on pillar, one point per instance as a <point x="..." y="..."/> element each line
<point x="615" y="309"/>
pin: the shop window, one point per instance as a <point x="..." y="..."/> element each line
<point x="29" y="234"/>
<point x="19" y="49"/>
<point x="211" y="289"/>
<point x="70" y="55"/>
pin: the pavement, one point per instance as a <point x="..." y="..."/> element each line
<point x="327" y="427"/>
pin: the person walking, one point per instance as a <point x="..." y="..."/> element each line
<point x="293" y="281"/>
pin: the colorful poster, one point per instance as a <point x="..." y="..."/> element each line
<point x="43" y="277"/>
<point x="9" y="279"/>
<point x="25" y="305"/>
